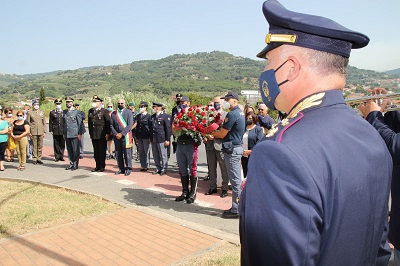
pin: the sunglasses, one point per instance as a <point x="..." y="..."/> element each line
<point x="20" y="116"/>
<point x="110" y="106"/>
<point x="120" y="103"/>
<point x="261" y="110"/>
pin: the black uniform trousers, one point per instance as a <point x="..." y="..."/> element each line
<point x="99" y="149"/>
<point x="73" y="151"/>
<point x="59" y="146"/>
<point x="124" y="155"/>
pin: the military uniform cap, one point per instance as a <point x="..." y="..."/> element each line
<point x="143" y="103"/>
<point x="35" y="101"/>
<point x="58" y="101"/>
<point x="97" y="99"/>
<point x="157" y="104"/>
<point x="184" y="99"/>
<point x="231" y="95"/>
<point x="131" y="104"/>
<point x="309" y="31"/>
<point x="179" y="95"/>
<point x="69" y="99"/>
<point x="76" y="104"/>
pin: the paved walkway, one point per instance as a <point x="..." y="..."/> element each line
<point x="152" y="230"/>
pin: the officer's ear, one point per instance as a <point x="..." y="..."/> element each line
<point x="294" y="68"/>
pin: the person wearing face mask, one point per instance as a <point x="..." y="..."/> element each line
<point x="56" y="129"/>
<point x="27" y="108"/>
<point x="99" y="129"/>
<point x="186" y="156"/>
<point x="160" y="135"/>
<point x="231" y="134"/>
<point x="318" y="185"/>
<point x="215" y="156"/>
<point x="143" y="120"/>
<point x="9" y="118"/>
<point x="110" y="153"/>
<point x="37" y="122"/>
<point x="72" y="122"/>
<point x="20" y="130"/>
<point x="4" y="131"/>
<point x="264" y="120"/>
<point x="251" y="137"/>
<point x="121" y="128"/>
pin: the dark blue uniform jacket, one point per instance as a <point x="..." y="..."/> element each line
<point x="389" y="127"/>
<point x="317" y="189"/>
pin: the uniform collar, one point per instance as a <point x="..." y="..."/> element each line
<point x="317" y="100"/>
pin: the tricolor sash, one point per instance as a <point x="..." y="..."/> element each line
<point x="122" y="122"/>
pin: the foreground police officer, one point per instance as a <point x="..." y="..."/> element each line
<point x="317" y="187"/>
<point x="388" y="126"/>
<point x="231" y="134"/>
<point x="160" y="134"/>
<point x="56" y="127"/>
<point x="72" y="122"/>
<point x="99" y="129"/>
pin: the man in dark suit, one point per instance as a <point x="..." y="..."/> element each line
<point x="160" y="135"/>
<point x="121" y="128"/>
<point x="99" y="129"/>
<point x="318" y="185"/>
<point x="56" y="127"/>
<point x="72" y="122"/>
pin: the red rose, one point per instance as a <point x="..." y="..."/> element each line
<point x="179" y="116"/>
<point x="204" y="121"/>
<point x="194" y="119"/>
<point x="207" y="108"/>
<point x="211" y="115"/>
<point x="194" y="123"/>
<point x="203" y="113"/>
<point x="198" y="111"/>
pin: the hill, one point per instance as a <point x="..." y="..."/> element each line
<point x="202" y="73"/>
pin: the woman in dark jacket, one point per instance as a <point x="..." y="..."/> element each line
<point x="252" y="135"/>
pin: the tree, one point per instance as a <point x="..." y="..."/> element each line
<point x="42" y="95"/>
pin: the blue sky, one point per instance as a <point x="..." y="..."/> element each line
<point x="46" y="35"/>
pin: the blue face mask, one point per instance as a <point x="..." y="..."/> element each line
<point x="109" y="109"/>
<point x="183" y="106"/>
<point x="269" y="87"/>
<point x="217" y="106"/>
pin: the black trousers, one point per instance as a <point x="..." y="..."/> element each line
<point x="59" y="146"/>
<point x="99" y="150"/>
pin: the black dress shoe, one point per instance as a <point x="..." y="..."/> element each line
<point x="211" y="191"/>
<point x="162" y="173"/>
<point x="62" y="159"/>
<point x="69" y="167"/>
<point x="74" y="168"/>
<point x="156" y="172"/>
<point x="230" y="215"/>
<point x="39" y="162"/>
<point x="128" y="172"/>
<point x="224" y="193"/>
<point x="144" y="169"/>
<point x="227" y="211"/>
<point x="81" y="157"/>
<point x="119" y="172"/>
<point x="207" y="177"/>
<point x="56" y="160"/>
<point x="95" y="170"/>
<point x="34" y="162"/>
<point x="101" y="169"/>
